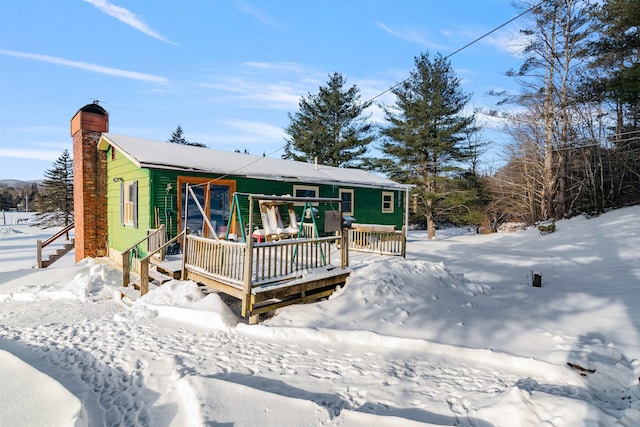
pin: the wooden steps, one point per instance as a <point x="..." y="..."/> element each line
<point x="161" y="271"/>
<point x="156" y="277"/>
<point x="60" y="252"/>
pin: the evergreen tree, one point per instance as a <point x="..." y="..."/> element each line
<point x="426" y="137"/>
<point x="177" y="137"/>
<point x="330" y="126"/>
<point x="615" y="61"/>
<point x="55" y="203"/>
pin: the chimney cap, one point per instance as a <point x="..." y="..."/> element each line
<point x="94" y="108"/>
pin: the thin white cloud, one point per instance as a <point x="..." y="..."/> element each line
<point x="17" y="153"/>
<point x="258" y="130"/>
<point x="511" y="42"/>
<point x="89" y="67"/>
<point x="281" y="96"/>
<point x="257" y="137"/>
<point x="412" y="36"/>
<point x="277" y="66"/>
<point x="127" y="17"/>
<point x="255" y="13"/>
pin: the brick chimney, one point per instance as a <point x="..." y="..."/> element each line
<point x="89" y="181"/>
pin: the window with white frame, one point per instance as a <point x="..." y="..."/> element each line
<point x="129" y="203"/>
<point x="387" y="202"/>
<point x="306" y="191"/>
<point x="347" y="201"/>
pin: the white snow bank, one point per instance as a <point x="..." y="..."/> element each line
<point x="266" y="402"/>
<point x="30" y="398"/>
<point x="183" y="301"/>
<point x="391" y="297"/>
<point x="92" y="282"/>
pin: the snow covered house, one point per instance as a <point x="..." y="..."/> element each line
<point x="127" y="189"/>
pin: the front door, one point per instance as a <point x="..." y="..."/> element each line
<point x="213" y="196"/>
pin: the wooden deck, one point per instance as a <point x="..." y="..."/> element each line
<point x="266" y="276"/>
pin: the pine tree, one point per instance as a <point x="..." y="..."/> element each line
<point x="177" y="137"/>
<point x="330" y="126"/>
<point x="55" y="202"/>
<point x="426" y="138"/>
<point x="615" y="61"/>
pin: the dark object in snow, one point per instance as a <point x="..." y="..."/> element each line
<point x="536" y="279"/>
<point x="583" y="371"/>
<point x="548" y="227"/>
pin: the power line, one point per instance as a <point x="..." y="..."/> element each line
<point x="398" y="84"/>
<point x="464" y="47"/>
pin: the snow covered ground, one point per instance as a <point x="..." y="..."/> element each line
<point x="453" y="335"/>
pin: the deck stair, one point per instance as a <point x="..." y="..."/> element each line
<point x="155" y="276"/>
<point x="60" y="252"/>
<point x="170" y="266"/>
<point x="161" y="271"/>
<point x="67" y="247"/>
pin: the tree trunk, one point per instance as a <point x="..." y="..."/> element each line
<point x="431" y="224"/>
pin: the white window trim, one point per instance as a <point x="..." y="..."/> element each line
<point x="391" y="203"/>
<point x="129" y="204"/>
<point x="346" y="190"/>
<point x="306" y="188"/>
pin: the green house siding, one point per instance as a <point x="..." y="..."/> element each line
<point x="367" y="202"/>
<point x="158" y="200"/>
<point x="122" y="170"/>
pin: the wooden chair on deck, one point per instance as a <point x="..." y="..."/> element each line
<point x="272" y="224"/>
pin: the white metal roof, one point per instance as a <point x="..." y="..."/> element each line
<point x="164" y="155"/>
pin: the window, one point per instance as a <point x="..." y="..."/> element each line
<point x="387" y="202"/>
<point x="305" y="191"/>
<point x="129" y="203"/>
<point x="347" y="201"/>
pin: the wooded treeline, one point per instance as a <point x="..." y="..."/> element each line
<point x="576" y="130"/>
<point x="18" y="196"/>
<point x="574" y="126"/>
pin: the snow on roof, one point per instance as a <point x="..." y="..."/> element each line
<point x="164" y="155"/>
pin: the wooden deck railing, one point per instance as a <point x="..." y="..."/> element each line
<point x="130" y="260"/>
<point x="144" y="262"/>
<point x="41" y="245"/>
<point x="270" y="261"/>
<point x="283" y="259"/>
<point x="220" y="259"/>
<point x="381" y="242"/>
<point x="156" y="238"/>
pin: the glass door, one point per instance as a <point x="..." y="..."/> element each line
<point x="213" y="196"/>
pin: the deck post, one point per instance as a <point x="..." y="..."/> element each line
<point x="248" y="269"/>
<point x="126" y="273"/>
<point x="39" y="253"/>
<point x="344" y="247"/>
<point x="185" y="252"/>
<point x="404" y="241"/>
<point x="144" y="276"/>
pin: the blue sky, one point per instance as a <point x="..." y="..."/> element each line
<point x="228" y="72"/>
